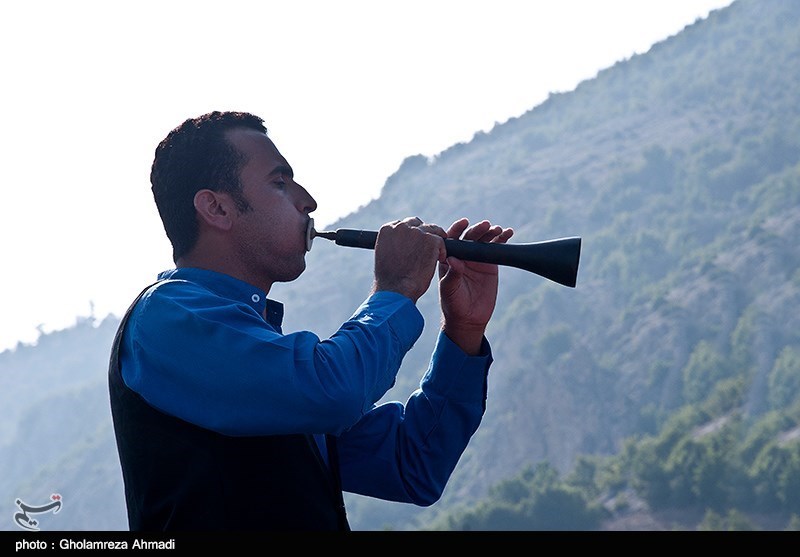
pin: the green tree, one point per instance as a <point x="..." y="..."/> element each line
<point x="706" y="366"/>
<point x="776" y="477"/>
<point x="784" y="379"/>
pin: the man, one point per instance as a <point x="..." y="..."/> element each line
<point x="223" y="421"/>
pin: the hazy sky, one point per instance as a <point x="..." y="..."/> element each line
<point x="348" y="90"/>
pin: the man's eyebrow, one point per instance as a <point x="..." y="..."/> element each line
<point x="282" y="169"/>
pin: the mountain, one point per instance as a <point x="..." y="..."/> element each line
<point x="680" y="170"/>
<point x="57" y="435"/>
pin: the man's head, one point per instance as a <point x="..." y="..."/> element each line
<point x="197" y="155"/>
<point x="229" y="201"/>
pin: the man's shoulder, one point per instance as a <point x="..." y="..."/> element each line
<point x="170" y="290"/>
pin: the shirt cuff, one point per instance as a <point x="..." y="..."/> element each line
<point x="456" y="375"/>
<point x="399" y="311"/>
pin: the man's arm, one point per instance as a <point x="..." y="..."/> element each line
<point x="467" y="289"/>
<point x="216" y="363"/>
<point x="407" y="452"/>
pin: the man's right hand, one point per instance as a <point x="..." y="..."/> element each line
<point x="406" y="254"/>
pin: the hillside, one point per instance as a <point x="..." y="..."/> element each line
<point x="679" y="169"/>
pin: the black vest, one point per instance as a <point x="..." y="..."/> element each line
<point x="179" y="476"/>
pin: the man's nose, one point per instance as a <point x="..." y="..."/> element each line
<point x="307" y="203"/>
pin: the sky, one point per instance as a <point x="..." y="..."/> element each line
<point x="348" y="89"/>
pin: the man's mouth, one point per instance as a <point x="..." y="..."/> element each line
<point x="309" y="234"/>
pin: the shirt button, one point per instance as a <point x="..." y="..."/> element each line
<point x="256" y="298"/>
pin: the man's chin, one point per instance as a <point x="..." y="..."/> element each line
<point x="293" y="274"/>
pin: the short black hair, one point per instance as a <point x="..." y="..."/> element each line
<point x="196" y="155"/>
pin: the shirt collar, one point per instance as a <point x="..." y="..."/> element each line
<point x="231" y="288"/>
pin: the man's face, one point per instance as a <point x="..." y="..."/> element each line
<point x="270" y="238"/>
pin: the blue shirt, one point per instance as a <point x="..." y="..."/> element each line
<point x="198" y="347"/>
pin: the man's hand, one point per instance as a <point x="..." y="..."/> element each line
<point x="406" y="253"/>
<point x="468" y="289"/>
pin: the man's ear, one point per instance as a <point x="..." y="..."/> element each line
<point x="214" y="208"/>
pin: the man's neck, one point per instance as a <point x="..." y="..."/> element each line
<point x="224" y="266"/>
